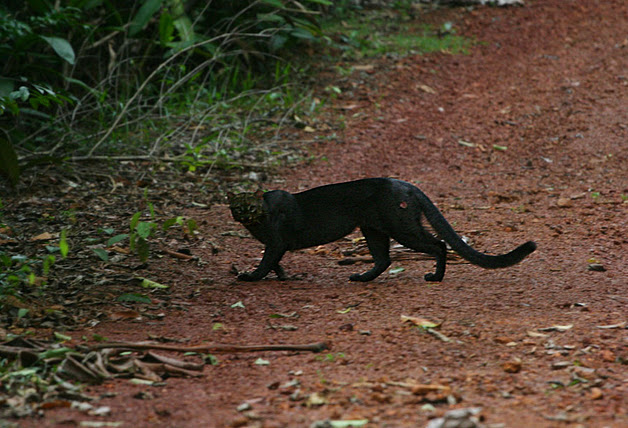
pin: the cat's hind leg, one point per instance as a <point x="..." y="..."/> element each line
<point x="428" y="244"/>
<point x="280" y="272"/>
<point x="379" y="246"/>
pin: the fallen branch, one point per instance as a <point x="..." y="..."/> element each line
<point x="216" y="349"/>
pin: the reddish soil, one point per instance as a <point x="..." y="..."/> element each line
<point x="548" y="81"/>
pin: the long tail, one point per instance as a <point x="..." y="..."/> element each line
<point x="449" y="235"/>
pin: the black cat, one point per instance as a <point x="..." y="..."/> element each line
<point x="382" y="208"/>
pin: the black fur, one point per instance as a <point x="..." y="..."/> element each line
<point x="382" y="208"/>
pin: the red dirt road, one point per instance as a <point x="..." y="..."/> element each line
<point x="549" y="82"/>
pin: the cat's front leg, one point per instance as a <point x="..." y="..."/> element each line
<point x="379" y="246"/>
<point x="249" y="276"/>
<point x="269" y="262"/>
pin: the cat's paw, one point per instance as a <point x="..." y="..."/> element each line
<point x="247" y="276"/>
<point x="360" y="277"/>
<point x="432" y="277"/>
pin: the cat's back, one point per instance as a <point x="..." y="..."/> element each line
<point x="345" y="193"/>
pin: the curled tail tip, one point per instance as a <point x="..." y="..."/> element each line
<point x="529" y="247"/>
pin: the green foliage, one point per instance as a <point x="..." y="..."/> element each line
<point x="100" y="77"/>
<point x="375" y="34"/>
<point x="22" y="271"/>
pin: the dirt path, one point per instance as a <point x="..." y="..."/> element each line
<point x="549" y="82"/>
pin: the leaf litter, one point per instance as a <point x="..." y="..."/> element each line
<point x="49" y="370"/>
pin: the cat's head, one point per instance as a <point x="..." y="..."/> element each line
<point x="247" y="208"/>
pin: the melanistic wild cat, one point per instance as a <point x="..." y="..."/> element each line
<point x="382" y="208"/>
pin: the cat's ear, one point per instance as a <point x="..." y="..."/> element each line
<point x="259" y="194"/>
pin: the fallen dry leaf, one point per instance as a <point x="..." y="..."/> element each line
<point x="512" y="366"/>
<point x="423" y="389"/>
<point x="420" y="322"/>
<point x="564" y="203"/>
<point x="42" y="237"/>
<point x="596" y="394"/>
<point x="426" y="89"/>
<point x="124" y="315"/>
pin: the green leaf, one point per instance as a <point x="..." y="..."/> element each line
<point x="270" y="17"/>
<point x="54" y="353"/>
<point x="143" y="251"/>
<point x="63" y="244"/>
<point x="22" y="94"/>
<point x="62" y="47"/>
<point x="8" y="161"/>
<point x="102" y="254"/>
<point x="395" y="271"/>
<point x="134" y="220"/>
<point x="238" y="305"/>
<point x="6" y="87"/>
<point x="275" y="3"/>
<point x="21" y="313"/>
<point x="147" y="283"/>
<point x="302" y="33"/>
<point x="191" y="226"/>
<point x="115" y="239"/>
<point x="262" y="362"/>
<point x="171" y="222"/>
<point x="134" y="297"/>
<point x="184" y="28"/>
<point x="166" y="28"/>
<point x="323" y="2"/>
<point x="48" y="261"/>
<point x="210" y="359"/>
<point x="146" y="12"/>
<point x="277" y="42"/>
<point x="143" y="229"/>
<point x="62" y="337"/>
<point x="500" y="148"/>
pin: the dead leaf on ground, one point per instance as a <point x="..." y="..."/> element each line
<point x="564" y="203"/>
<point x="512" y="366"/>
<point x="124" y="315"/>
<point x="612" y="326"/>
<point x="42" y="237"/>
<point x="426" y="88"/>
<point x="420" y="322"/>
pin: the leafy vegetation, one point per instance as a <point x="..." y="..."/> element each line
<point x="191" y="83"/>
<point x="143" y="78"/>
<point x="374" y="34"/>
